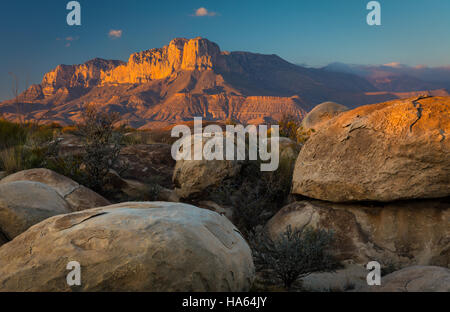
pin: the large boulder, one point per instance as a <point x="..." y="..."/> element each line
<point x="321" y="113"/>
<point x="288" y="149"/>
<point x="23" y="204"/>
<point x="135" y="246"/>
<point x="415" y="279"/>
<point x="395" y="234"/>
<point x="192" y="177"/>
<point x="382" y="152"/>
<point x="148" y="163"/>
<point x="352" y="277"/>
<point x="77" y="196"/>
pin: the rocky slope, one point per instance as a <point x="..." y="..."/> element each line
<point x="187" y="78"/>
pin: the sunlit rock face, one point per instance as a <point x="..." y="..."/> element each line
<point x="85" y="75"/>
<point x="180" y="54"/>
<point x="384" y="152"/>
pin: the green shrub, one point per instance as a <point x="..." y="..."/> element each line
<point x="21" y="157"/>
<point x="303" y="135"/>
<point x="291" y="127"/>
<point x="11" y="134"/>
<point x="294" y="254"/>
<point x="69" y="166"/>
<point x="288" y="126"/>
<point x="11" y="160"/>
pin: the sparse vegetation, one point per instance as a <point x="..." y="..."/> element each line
<point x="11" y="134"/>
<point x="24" y="146"/>
<point x="30" y="145"/>
<point x="291" y="127"/>
<point x="256" y="196"/>
<point x="288" y="126"/>
<point x="303" y="135"/>
<point x="294" y="254"/>
<point x="101" y="143"/>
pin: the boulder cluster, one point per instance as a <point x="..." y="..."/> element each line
<point x="378" y="176"/>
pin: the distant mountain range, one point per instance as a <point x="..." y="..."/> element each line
<point x="395" y="77"/>
<point x="193" y="77"/>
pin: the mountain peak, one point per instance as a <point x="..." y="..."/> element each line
<point x="186" y="78"/>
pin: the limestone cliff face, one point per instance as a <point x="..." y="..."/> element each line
<point x="181" y="54"/>
<point x="85" y="75"/>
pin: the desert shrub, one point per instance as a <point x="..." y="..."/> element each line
<point x="303" y="134"/>
<point x="69" y="166"/>
<point x="288" y="126"/>
<point x="21" y="157"/>
<point x="291" y="127"/>
<point x="26" y="146"/>
<point x="101" y="143"/>
<point x="11" y="134"/>
<point x="294" y="254"/>
<point x="10" y="160"/>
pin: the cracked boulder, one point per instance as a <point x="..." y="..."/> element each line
<point x="77" y="196"/>
<point x="24" y="203"/>
<point x="135" y="246"/>
<point x="395" y="234"/>
<point x="382" y="152"/>
<point x="415" y="279"/>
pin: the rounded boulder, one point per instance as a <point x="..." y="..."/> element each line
<point x="136" y="246"/>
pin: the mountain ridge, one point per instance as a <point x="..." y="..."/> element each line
<point x="185" y="79"/>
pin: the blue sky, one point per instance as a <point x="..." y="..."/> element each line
<point x="35" y="37"/>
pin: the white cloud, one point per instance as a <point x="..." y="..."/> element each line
<point x="115" y="34"/>
<point x="204" y="12"/>
<point x="70" y="38"/>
